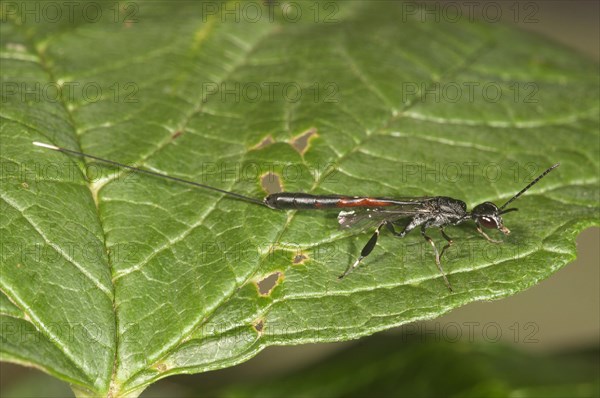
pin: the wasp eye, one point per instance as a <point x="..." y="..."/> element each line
<point x="488" y="222"/>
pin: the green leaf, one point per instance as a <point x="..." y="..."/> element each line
<point x="112" y="280"/>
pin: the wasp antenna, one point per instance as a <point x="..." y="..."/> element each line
<point x="532" y="183"/>
<point x="153" y="173"/>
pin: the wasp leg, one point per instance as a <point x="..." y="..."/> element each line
<point x="449" y="239"/>
<point x="486" y="235"/>
<point x="365" y="251"/>
<point x="437" y="257"/>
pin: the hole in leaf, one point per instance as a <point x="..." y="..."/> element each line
<point x="266" y="285"/>
<point x="300" y="142"/>
<point x="268" y="140"/>
<point x="258" y="326"/>
<point x="299" y="258"/>
<point x="271" y="183"/>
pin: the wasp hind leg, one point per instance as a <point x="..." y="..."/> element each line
<point x="366" y="250"/>
<point x="414" y="222"/>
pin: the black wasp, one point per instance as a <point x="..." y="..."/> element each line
<point x="422" y="212"/>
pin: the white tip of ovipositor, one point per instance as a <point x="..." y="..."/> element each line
<point x="46" y="145"/>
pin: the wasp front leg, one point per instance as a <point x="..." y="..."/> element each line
<point x="486" y="236"/>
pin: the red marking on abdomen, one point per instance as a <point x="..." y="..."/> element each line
<point x="363" y="202"/>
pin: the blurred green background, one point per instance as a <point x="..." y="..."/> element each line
<point x="542" y="342"/>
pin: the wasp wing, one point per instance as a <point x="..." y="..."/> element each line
<point x="363" y="218"/>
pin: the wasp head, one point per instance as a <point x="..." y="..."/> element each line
<point x="490" y="216"/>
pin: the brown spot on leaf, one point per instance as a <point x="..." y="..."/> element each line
<point x="176" y="134"/>
<point x="267" y="284"/>
<point x="268" y="140"/>
<point x="301" y="141"/>
<point x="25" y="185"/>
<point x="259" y="325"/>
<point x="299" y="258"/>
<point x="271" y="183"/>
